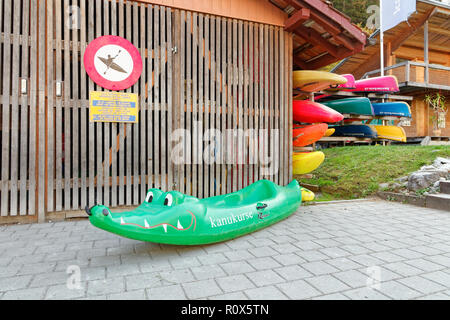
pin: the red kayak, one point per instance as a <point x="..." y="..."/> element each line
<point x="384" y="84"/>
<point x="306" y="111"/>
<point x="307" y="135"/>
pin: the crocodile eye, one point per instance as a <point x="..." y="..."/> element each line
<point x="168" y="200"/>
<point x="149" y="197"/>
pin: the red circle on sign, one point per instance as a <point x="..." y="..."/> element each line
<point x="90" y="56"/>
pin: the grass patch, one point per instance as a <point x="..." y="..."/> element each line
<point x="356" y="172"/>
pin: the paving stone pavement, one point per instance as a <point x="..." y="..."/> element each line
<point x="342" y="250"/>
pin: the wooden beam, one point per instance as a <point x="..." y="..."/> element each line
<point x="299" y="62"/>
<point x="329" y="59"/>
<point x="444" y="32"/>
<point x="316" y="38"/>
<point x="297" y="19"/>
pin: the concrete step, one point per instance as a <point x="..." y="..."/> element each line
<point x="439" y="201"/>
<point x="445" y="187"/>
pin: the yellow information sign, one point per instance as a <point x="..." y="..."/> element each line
<point x="107" y="106"/>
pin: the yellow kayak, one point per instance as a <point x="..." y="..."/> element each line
<point x="329" y="132"/>
<point x="390" y="133"/>
<point x="307" y="162"/>
<point x="307" y="196"/>
<point x="314" y="81"/>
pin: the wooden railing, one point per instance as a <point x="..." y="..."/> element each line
<point x="418" y="74"/>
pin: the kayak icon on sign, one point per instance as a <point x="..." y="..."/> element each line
<point x="109" y="62"/>
<point x="113" y="63"/>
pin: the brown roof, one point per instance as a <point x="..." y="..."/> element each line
<point x="407" y="36"/>
<point x="322" y="35"/>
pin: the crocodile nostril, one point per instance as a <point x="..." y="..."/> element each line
<point x="105" y="212"/>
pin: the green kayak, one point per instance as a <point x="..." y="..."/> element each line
<point x="175" y="218"/>
<point x="357" y="106"/>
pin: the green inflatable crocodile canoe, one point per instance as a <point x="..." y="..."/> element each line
<point x="175" y="218"/>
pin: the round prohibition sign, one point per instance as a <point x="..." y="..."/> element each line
<point x="113" y="62"/>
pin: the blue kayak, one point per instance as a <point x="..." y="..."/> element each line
<point x="393" y="109"/>
<point x="358" y="131"/>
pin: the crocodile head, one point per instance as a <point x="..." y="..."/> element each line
<point x="162" y="216"/>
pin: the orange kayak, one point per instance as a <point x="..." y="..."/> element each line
<point x="307" y="135"/>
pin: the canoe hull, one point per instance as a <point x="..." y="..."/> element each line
<point x="195" y="221"/>
<point x="307" y="162"/>
<point x="390" y="133"/>
<point x="307" y="135"/>
<point x="357" y="106"/>
<point x="314" y="81"/>
<point x="393" y="109"/>
<point x="357" y="131"/>
<point x="386" y="84"/>
<point x="305" y="111"/>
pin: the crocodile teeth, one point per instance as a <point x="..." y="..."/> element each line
<point x="165" y="227"/>
<point x="146" y="224"/>
<point x="179" y="226"/>
<point x="121" y="221"/>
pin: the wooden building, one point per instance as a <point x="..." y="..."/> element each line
<point x="222" y="64"/>
<point x="418" y="54"/>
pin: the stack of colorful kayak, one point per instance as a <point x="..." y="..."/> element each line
<point x="312" y="118"/>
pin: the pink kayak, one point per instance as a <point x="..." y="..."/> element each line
<point x="351" y="83"/>
<point x="379" y="84"/>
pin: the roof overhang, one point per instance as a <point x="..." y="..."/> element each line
<point x="322" y="35"/>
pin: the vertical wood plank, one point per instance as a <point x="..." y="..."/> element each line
<point x="169" y="105"/>
<point x="230" y="105"/>
<point x="256" y="99"/>
<point x="122" y="126"/>
<point x="75" y="119"/>
<point x="206" y="105"/>
<point x="150" y="86"/>
<point x="135" y="142"/>
<point x="157" y="63"/>
<point x="262" y="90"/>
<point x="143" y="105"/>
<point x="129" y="127"/>
<point x="91" y="126"/>
<point x="289" y="90"/>
<point x="24" y="111"/>
<point x="224" y="113"/>
<point x="112" y="155"/>
<point x="163" y="114"/>
<point x="270" y="114"/>
<point x="15" y="111"/>
<point x="282" y="108"/>
<point x="201" y="105"/>
<point x="99" y="125"/>
<point x="106" y="126"/>
<point x="219" y="109"/>
<point x="40" y="156"/>
<point x="7" y="15"/>
<point x="195" y="106"/>
<point x="212" y="104"/>
<point x="189" y="110"/>
<point x="33" y="104"/>
<point x="183" y="107"/>
<point x="240" y="105"/>
<point x="251" y="103"/>
<point x="266" y="97"/>
<point x="277" y="105"/>
<point x="84" y="110"/>
<point x="235" y="122"/>
<point x="245" y="107"/>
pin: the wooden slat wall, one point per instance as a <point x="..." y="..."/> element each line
<point x="202" y="73"/>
